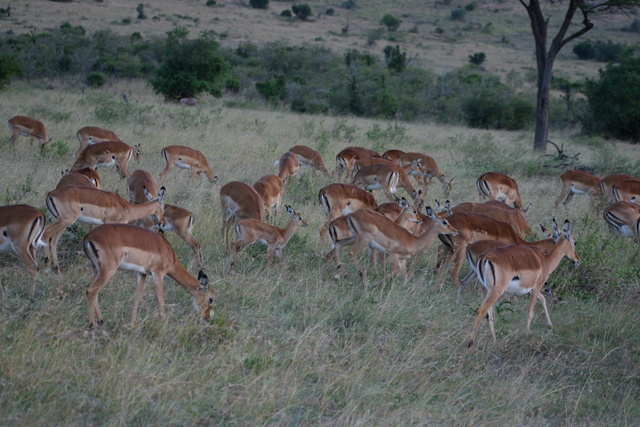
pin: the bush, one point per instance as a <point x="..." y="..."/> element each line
<point x="190" y="67"/>
<point x="259" y="4"/>
<point x="302" y="11"/>
<point x="9" y="67"/>
<point x="210" y="3"/>
<point x="477" y="58"/>
<point x="614" y="101"/>
<point x="497" y="108"/>
<point x="603" y="51"/>
<point x="391" y="22"/>
<point x="286" y="13"/>
<point x="458" y="14"/>
<point x="396" y="60"/>
<point x="140" y="10"/>
<point x="96" y="79"/>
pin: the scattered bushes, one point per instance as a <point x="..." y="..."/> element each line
<point x="603" y="51"/>
<point x="96" y="79"/>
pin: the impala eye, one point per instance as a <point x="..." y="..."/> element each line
<point x="210" y="300"/>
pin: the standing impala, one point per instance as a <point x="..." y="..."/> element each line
<point x="373" y="229"/>
<point x="78" y="179"/>
<point x="288" y="165"/>
<point x="576" y="181"/>
<point x="310" y="158"/>
<point x="622" y="217"/>
<point x="142" y="187"/>
<point x="108" y="153"/>
<point x="607" y="183"/>
<point x="346" y="159"/>
<point x="249" y="231"/>
<point x="498" y="186"/>
<point x="186" y="158"/>
<point x="271" y="191"/>
<point x="387" y="177"/>
<point x="92" y="135"/>
<point x="26" y="126"/>
<point x="628" y="191"/>
<point x="21" y="228"/>
<point x="519" y="270"/>
<point x="238" y="201"/>
<point x="496" y="210"/>
<point x="393" y="155"/>
<point x="120" y="246"/>
<point x="342" y="199"/>
<point x="428" y="169"/>
<point x="94" y="207"/>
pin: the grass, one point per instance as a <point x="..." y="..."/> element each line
<point x="294" y="346"/>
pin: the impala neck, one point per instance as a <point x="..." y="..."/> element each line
<point x="184" y="278"/>
<point x="138" y="211"/>
<point x="557" y="253"/>
<point x="289" y="229"/>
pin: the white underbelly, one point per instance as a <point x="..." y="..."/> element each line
<point x="90" y="220"/>
<point x="626" y="230"/>
<point x="375" y="245"/>
<point x="515" y="289"/>
<point x="183" y="165"/>
<point x="132" y="267"/>
<point x="111" y="162"/>
<point x="576" y="191"/>
<point x="6" y="246"/>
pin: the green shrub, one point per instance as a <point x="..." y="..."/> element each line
<point x="9" y="67"/>
<point x="497" y="108"/>
<point x="259" y="4"/>
<point x="140" y="10"/>
<point x="286" y="13"/>
<point x="458" y="14"/>
<point x="396" y="60"/>
<point x="477" y="58"/>
<point x="603" y="51"/>
<point x="391" y="22"/>
<point x="302" y="11"/>
<point x="330" y="12"/>
<point x="272" y="89"/>
<point x="96" y="79"/>
<point x="210" y="3"/>
<point x="614" y="101"/>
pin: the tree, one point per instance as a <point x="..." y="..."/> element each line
<point x="302" y="11"/>
<point x="614" y="101"/>
<point x="391" y="22"/>
<point x="190" y="67"/>
<point x="545" y="58"/>
<point x="259" y="4"/>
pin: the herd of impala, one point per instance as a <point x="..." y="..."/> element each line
<point x="489" y="235"/>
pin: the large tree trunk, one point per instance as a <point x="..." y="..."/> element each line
<point x="542" y="105"/>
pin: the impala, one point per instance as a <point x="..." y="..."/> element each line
<point x="92" y="135"/>
<point x="249" y="231"/>
<point x="519" y="270"/>
<point x="288" y="165"/>
<point x="74" y="178"/>
<point x="26" y="126"/>
<point x="90" y="173"/>
<point x="387" y="177"/>
<point x="473" y="227"/>
<point x="576" y="181"/>
<point x="342" y="199"/>
<point x="429" y="169"/>
<point x="143" y="187"/>
<point x="21" y="228"/>
<point x="346" y="159"/>
<point x="310" y="158"/>
<point x="498" y="186"/>
<point x="108" y="153"/>
<point x="94" y="207"/>
<point x="238" y="201"/>
<point x="186" y="158"/>
<point x="373" y="229"/>
<point x="622" y="217"/>
<point x="607" y="183"/>
<point x="627" y="191"/>
<point x="496" y="210"/>
<point x="120" y="246"/>
<point x="271" y="191"/>
<point x="393" y="155"/>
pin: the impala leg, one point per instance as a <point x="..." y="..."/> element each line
<point x="489" y="301"/>
<point x="463" y="285"/>
<point x="458" y="258"/>
<point x="158" y="281"/>
<point x="170" y="165"/>
<point x="51" y="236"/>
<point x="102" y="277"/>
<point x="193" y="244"/>
<point x="535" y="296"/>
<point x="29" y="260"/>
<point x="137" y="297"/>
<point x="491" y="324"/>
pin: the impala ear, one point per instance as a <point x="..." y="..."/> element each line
<point x="430" y="213"/>
<point x="403" y="203"/>
<point x="162" y="194"/>
<point x="567" y="227"/>
<point x="204" y="280"/>
<point x="289" y="210"/>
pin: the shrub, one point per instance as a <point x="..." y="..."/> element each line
<point x="96" y="79"/>
<point x="477" y="58"/>
<point x="614" y="101"/>
<point x="140" y="10"/>
<point x="603" y="51"/>
<point x="210" y="3"/>
<point x="458" y="14"/>
<point x="330" y="12"/>
<point x="396" y="60"/>
<point x="259" y="4"/>
<point x="190" y="67"/>
<point x="496" y="107"/>
<point x="391" y="22"/>
<point x="286" y="13"/>
<point x="9" y="67"/>
<point x="302" y="11"/>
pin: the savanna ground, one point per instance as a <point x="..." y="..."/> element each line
<point x="295" y="346"/>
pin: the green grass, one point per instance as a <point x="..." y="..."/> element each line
<point x="294" y="346"/>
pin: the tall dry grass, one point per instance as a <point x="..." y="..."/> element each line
<point x="296" y="347"/>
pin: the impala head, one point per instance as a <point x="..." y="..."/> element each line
<point x="417" y="199"/>
<point x="136" y="152"/>
<point x="204" y="299"/>
<point x="446" y="207"/>
<point x="301" y="222"/>
<point x="442" y="225"/>
<point x="570" y="252"/>
<point x="447" y="184"/>
<point x="159" y="213"/>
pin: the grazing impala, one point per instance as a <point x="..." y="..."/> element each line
<point x="271" y="191"/>
<point x="373" y="229"/>
<point x="238" y="201"/>
<point x="387" y="177"/>
<point x="577" y="181"/>
<point x="346" y="159"/>
<point x="21" y="228"/>
<point x="393" y="155"/>
<point x="250" y="231"/>
<point x="622" y="217"/>
<point x="95" y="207"/>
<point x="26" y="126"/>
<point x="496" y="210"/>
<point x="310" y="158"/>
<point x="342" y="199"/>
<point x="519" y="270"/>
<point x="78" y="179"/>
<point x="108" y="153"/>
<point x="186" y="158"/>
<point x="92" y="135"/>
<point x="90" y="173"/>
<point x="142" y="187"/>
<point x="607" y="183"/>
<point x="288" y="165"/>
<point x="498" y="186"/>
<point x="428" y="169"/>
<point x="627" y="191"/>
<point x="120" y="246"/>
